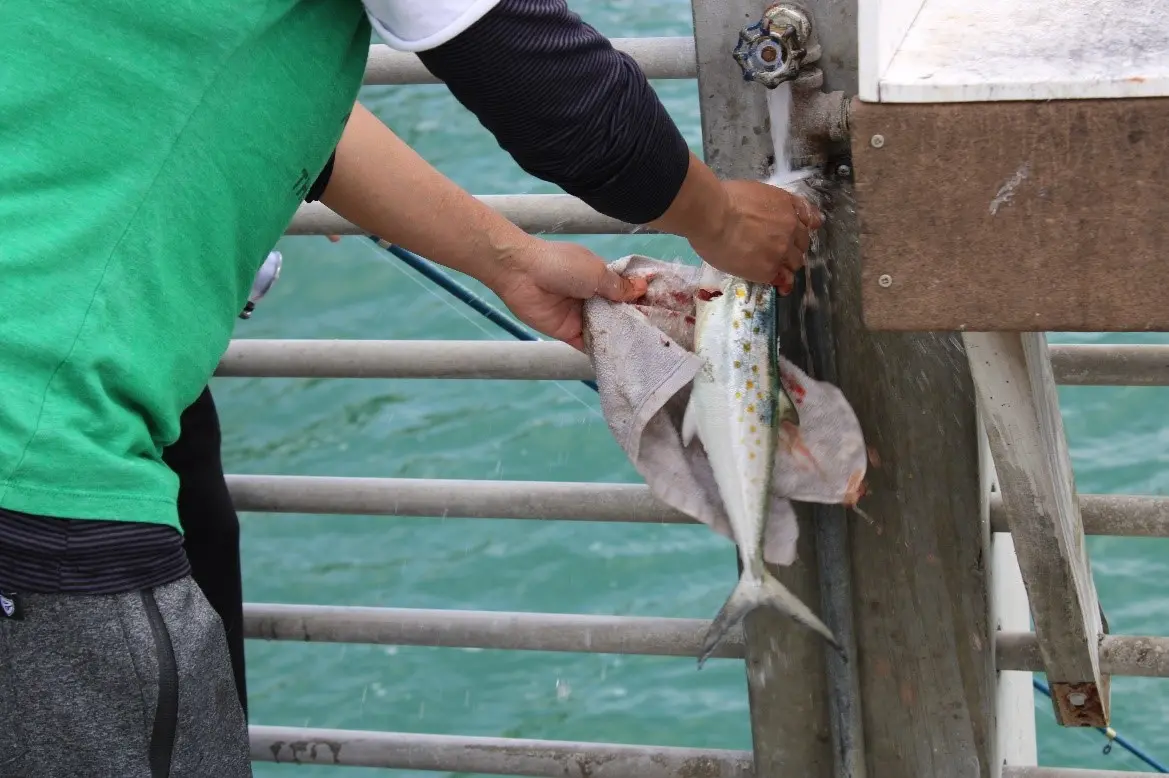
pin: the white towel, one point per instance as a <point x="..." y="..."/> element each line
<point x="644" y="367"/>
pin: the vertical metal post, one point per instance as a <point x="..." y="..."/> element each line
<point x="785" y="665"/>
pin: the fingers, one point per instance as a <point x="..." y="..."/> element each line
<point x="620" y="289"/>
<point x="783" y="281"/>
<point x="801" y="238"/>
<point x="794" y="259"/>
<point x="808" y="214"/>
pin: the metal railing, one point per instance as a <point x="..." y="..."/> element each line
<point x="661" y="58"/>
<point x="671" y="58"/>
<point x="494" y="756"/>
<point x="1134" y="516"/>
<point x="1074" y="365"/>
<point x="1102" y="514"/>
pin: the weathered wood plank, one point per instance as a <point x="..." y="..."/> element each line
<point x="1017" y="395"/>
<point x="920" y="574"/>
<point x="986" y="216"/>
<point x="785" y="666"/>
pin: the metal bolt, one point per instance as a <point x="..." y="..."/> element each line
<point x="885" y="281"/>
<point x="1077" y="698"/>
<point x="769" y="53"/>
<point x="844" y="171"/>
<point x="878" y="141"/>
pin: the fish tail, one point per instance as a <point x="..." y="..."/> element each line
<point x="751" y="593"/>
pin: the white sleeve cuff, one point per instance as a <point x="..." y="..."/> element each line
<point x="419" y="25"/>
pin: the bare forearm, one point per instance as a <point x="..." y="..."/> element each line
<point x="381" y="185"/>
<point x="701" y="207"/>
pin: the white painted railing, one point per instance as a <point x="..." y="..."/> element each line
<point x="1074" y="365"/>
<point x="1103" y="514"/>
<point x="491" y="755"/>
<point x="671" y="58"/>
<point x="546" y="214"/>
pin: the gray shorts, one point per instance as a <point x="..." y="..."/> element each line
<point x="132" y="685"/>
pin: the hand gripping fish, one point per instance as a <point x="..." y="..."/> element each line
<point x="737" y="406"/>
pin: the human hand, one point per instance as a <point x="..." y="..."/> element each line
<point x="763" y="235"/>
<point x="545" y="283"/>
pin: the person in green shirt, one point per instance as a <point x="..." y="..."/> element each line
<point x="148" y="167"/>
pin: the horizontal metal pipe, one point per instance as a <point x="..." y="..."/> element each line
<point x="637" y="635"/>
<point x="1119" y="654"/>
<point x="545" y="360"/>
<point x="451" y="498"/>
<point x="1128" y="655"/>
<point x="1120" y="515"/>
<point x="491" y="755"/>
<point x="1074" y="365"/>
<point x="658" y="57"/>
<point x="1103" y="514"/>
<point x="1069" y="772"/>
<point x="551" y="214"/>
<point x="1110" y="365"/>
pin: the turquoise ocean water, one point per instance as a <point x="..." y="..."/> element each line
<point x="551" y="431"/>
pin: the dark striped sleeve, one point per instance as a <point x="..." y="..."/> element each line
<point x="567" y="106"/>
<point x="71" y="556"/>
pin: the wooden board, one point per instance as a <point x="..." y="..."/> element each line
<point x="920" y="584"/>
<point x="1024" y="427"/>
<point x="1021" y="216"/>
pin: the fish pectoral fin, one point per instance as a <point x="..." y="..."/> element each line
<point x="689" y="422"/>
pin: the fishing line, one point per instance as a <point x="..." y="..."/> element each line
<point x="451" y="285"/>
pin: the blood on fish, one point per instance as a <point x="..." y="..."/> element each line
<point x="690" y="320"/>
<point x="706" y="295"/>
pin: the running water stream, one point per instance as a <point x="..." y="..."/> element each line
<point x="779" y="109"/>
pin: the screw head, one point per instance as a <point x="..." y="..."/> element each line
<point x="878" y="141"/>
<point x="885" y="281"/>
<point x="1077" y="698"/>
<point x="844" y="171"/>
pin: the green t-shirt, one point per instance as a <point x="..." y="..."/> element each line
<point x="151" y="153"/>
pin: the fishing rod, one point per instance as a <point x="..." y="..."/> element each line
<point x="432" y="272"/>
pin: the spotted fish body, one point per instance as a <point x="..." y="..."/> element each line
<point x="736" y="408"/>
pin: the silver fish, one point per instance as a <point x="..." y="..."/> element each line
<point x="737" y="406"/>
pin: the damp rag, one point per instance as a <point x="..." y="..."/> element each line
<point x="644" y="364"/>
